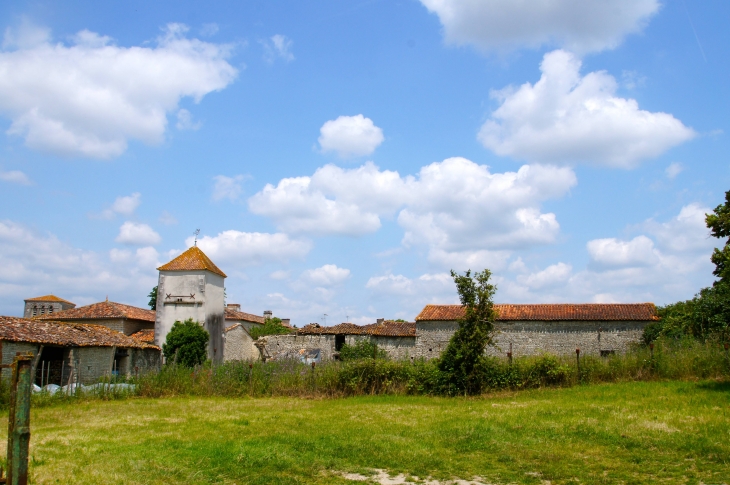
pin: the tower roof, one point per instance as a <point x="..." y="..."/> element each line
<point x="53" y="298"/>
<point x="191" y="260"/>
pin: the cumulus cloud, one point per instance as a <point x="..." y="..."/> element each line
<point x="669" y="262"/>
<point x="15" y="177"/>
<point x="326" y="276"/>
<point x="252" y="248"/>
<point x="350" y="136"/>
<point x="278" y="47"/>
<point x="137" y="234"/>
<point x="566" y="118"/>
<point x="575" y="24"/>
<point x="38" y="264"/>
<point x="227" y="187"/>
<point x="123" y="205"/>
<point x="460" y="210"/>
<point x="413" y="293"/>
<point x="76" y="99"/>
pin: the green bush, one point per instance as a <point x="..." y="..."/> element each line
<point x="186" y="344"/>
<point x="363" y="349"/>
<point x="272" y="326"/>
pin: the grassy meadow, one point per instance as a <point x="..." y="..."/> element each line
<point x="630" y="432"/>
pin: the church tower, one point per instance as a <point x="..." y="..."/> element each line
<point x="192" y="286"/>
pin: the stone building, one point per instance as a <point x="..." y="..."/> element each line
<point x="45" y="305"/>
<point x="248" y="321"/>
<point x="116" y="316"/>
<point x="559" y="329"/>
<point x="192" y="286"/>
<point x="597" y="329"/>
<point x="68" y="352"/>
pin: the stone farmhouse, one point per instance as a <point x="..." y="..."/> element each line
<point x="71" y="352"/>
<point x="126" y="319"/>
<point x="594" y="328"/>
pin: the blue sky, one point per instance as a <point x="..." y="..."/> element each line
<point x="340" y="158"/>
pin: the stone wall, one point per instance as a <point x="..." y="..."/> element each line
<point x="9" y="349"/>
<point x="527" y="338"/>
<point x="238" y="345"/>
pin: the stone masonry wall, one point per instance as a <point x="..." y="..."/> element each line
<point x="281" y="343"/>
<point x="9" y="349"/>
<point x="93" y="363"/>
<point x="238" y="345"/>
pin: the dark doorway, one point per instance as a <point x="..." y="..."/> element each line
<point x="339" y="342"/>
<point x="51" y="369"/>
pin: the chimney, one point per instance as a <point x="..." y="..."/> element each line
<point x="268" y="314"/>
<point x="286" y="322"/>
<point x="380" y="320"/>
<point x="236" y="307"/>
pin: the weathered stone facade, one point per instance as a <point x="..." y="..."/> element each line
<point x="238" y="344"/>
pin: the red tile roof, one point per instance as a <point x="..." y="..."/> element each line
<point x="102" y="310"/>
<point x="384" y="329"/>
<point x="551" y="312"/>
<point x="65" y="334"/>
<point x="191" y="260"/>
<point x="53" y="298"/>
<point x="243" y="316"/>
<point x="235" y="325"/>
<point x="145" y="336"/>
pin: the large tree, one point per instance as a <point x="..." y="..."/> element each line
<point x="460" y="362"/>
<point x="153" y="299"/>
<point x="719" y="225"/>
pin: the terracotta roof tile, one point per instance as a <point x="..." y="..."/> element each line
<point x="65" y="334"/>
<point x="102" y="310"/>
<point x="49" y="298"/>
<point x="387" y="328"/>
<point x="243" y="316"/>
<point x="551" y="312"/>
<point x="145" y="336"/>
<point x="191" y="260"/>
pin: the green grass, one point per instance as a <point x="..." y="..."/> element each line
<point x="632" y="433"/>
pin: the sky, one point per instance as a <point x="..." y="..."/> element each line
<point x="341" y="158"/>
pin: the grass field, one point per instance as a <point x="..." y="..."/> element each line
<point x="645" y="432"/>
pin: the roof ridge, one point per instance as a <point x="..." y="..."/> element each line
<point x="192" y="259"/>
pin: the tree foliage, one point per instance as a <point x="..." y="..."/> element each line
<point x="153" y="299"/>
<point x="186" y="343"/>
<point x="362" y="349"/>
<point x="460" y="363"/>
<point x="272" y="326"/>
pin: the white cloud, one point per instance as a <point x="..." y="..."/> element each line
<point x="457" y="208"/>
<point x="671" y="261"/>
<point x="209" y="29"/>
<point x="413" y="293"/>
<point x="350" y="136"/>
<point x="554" y="274"/>
<point x="279" y="275"/>
<point x="326" y="276"/>
<point x="579" y="25"/>
<point x="278" y="46"/>
<point x="15" y="177"/>
<point x="674" y="169"/>
<point x="137" y="234"/>
<point x="38" y="264"/>
<point x="77" y="99"/>
<point x="251" y="248"/>
<point x="227" y="187"/>
<point x="185" y="121"/>
<point x="566" y="118"/>
<point x="124" y="205"/>
<point x="639" y="251"/>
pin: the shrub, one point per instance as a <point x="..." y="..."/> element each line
<point x="186" y="344"/>
<point x="272" y="326"/>
<point x="363" y="349"/>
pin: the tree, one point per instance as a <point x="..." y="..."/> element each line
<point x="186" y="344"/>
<point x="272" y="326"/>
<point x="460" y="362"/>
<point x="719" y="225"/>
<point x="153" y="299"/>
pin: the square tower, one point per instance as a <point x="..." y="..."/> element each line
<point x="192" y="286"/>
<point x="45" y="305"/>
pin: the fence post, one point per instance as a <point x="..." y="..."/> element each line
<point x="19" y="420"/>
<point x="314" y="379"/>
<point x="577" y="360"/>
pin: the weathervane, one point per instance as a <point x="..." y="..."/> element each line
<point x="197" y="231"/>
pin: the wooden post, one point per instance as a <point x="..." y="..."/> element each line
<point x="19" y="420"/>
<point x="577" y="359"/>
<point x="35" y="361"/>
